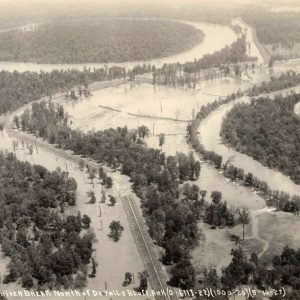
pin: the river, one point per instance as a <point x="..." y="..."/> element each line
<point x="216" y="37"/>
<point x="211" y="140"/>
<point x="159" y="103"/>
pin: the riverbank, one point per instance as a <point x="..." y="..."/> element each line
<point x="215" y="38"/>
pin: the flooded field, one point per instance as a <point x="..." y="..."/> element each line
<point x="105" y="250"/>
<point x="164" y="110"/>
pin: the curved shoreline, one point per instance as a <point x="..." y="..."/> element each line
<point x="215" y="38"/>
<point x="211" y="141"/>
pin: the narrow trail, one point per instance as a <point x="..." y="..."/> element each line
<point x="254" y="228"/>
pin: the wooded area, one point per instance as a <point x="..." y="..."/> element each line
<point x="47" y="248"/>
<point x="98" y="41"/>
<point x="268" y="131"/>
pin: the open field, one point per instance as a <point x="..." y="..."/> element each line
<point x="280" y="229"/>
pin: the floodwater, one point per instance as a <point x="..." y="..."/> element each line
<point x="210" y="138"/>
<point x="111" y="265"/>
<point x="153" y="105"/>
<point x="158" y="103"/>
<point x="216" y="37"/>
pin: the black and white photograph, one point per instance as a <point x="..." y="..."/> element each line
<point x="149" y="149"/>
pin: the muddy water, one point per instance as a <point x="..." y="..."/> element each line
<point x="210" y="138"/>
<point x="216" y="37"/>
<point x="164" y="102"/>
<point x="157" y="103"/>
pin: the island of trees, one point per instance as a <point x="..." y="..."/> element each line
<point x="98" y="41"/>
<point x="268" y="131"/>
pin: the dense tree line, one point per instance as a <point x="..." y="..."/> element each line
<point x="192" y="134"/>
<point x="284" y="272"/>
<point x="156" y="177"/>
<point x="17" y="89"/>
<point x="274" y="28"/>
<point x="98" y="41"/>
<point x="219" y="63"/>
<point x="47" y="249"/>
<point x="268" y="131"/>
<point x="278" y="280"/>
<point x="283" y="81"/>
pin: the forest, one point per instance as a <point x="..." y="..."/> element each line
<point x="17" y="89"/>
<point x="47" y="248"/>
<point x="268" y="131"/>
<point x="274" y="28"/>
<point x="155" y="177"/>
<point x="98" y="41"/>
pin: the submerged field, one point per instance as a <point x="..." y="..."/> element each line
<point x="158" y="108"/>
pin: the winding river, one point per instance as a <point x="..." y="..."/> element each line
<point x="157" y="103"/>
<point x="216" y="37"/>
<point x="210" y="138"/>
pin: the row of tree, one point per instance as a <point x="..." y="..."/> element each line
<point x="17" y="89"/>
<point x="284" y="81"/>
<point x="47" y="248"/>
<point x="218" y="64"/>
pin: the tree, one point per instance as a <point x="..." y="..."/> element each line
<point x="115" y="230"/>
<point x="143" y="132"/>
<point x="92" y="174"/>
<point x="27" y="280"/>
<point x="81" y="164"/>
<point x="143" y="277"/>
<point x="17" y="121"/>
<point x="128" y="278"/>
<point x="103" y="196"/>
<point x="112" y="200"/>
<point x="183" y="275"/>
<point x="161" y="139"/>
<point x="108" y="182"/>
<point x="92" y="196"/>
<point x="244" y="218"/>
<point x="86" y="221"/>
<point x="80" y="280"/>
